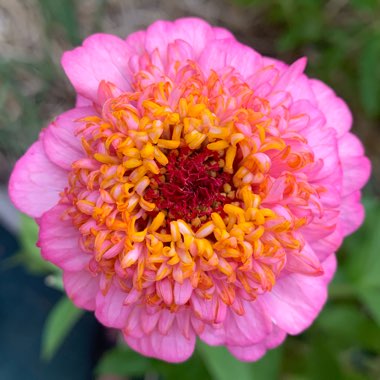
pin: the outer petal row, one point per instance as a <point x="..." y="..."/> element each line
<point x="36" y="182"/>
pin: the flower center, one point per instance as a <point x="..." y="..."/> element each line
<point x="191" y="186"/>
<point x="170" y="191"/>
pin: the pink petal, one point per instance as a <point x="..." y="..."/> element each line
<point x="102" y="57"/>
<point x="133" y="326"/>
<point x="337" y="114"/>
<point x="136" y="41"/>
<point x="196" y="32"/>
<point x="182" y="292"/>
<point x="326" y="246"/>
<point x="173" y="347"/>
<point x="256" y="351"/>
<point x="305" y="262"/>
<point x="58" y="240"/>
<point x="230" y="53"/>
<point x="166" y="321"/>
<point x="165" y="290"/>
<point x="356" y="167"/>
<point x="81" y="287"/>
<point x="276" y="337"/>
<point x="36" y="182"/>
<point x="82" y="102"/>
<point x="325" y="147"/>
<point x="110" y="308"/>
<point x="149" y="321"/>
<point x="352" y="213"/>
<point x="249" y="328"/>
<point x="60" y="143"/>
<point x="296" y="300"/>
<point x="294" y="81"/>
<point x="248" y="353"/>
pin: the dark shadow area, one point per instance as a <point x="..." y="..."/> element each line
<point x="25" y="302"/>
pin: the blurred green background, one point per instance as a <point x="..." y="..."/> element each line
<point x="341" y="39"/>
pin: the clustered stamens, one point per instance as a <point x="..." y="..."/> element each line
<point x="191" y="186"/>
<point x="170" y="191"/>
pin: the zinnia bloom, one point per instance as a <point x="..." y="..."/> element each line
<point x="196" y="189"/>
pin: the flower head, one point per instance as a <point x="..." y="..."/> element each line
<point x="196" y="189"/>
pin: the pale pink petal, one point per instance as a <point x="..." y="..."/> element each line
<point x="325" y="147"/>
<point x="356" y="167"/>
<point x="164" y="289"/>
<point x="249" y="328"/>
<point x="110" y="308"/>
<point x="294" y="81"/>
<point x="102" y="57"/>
<point x="166" y="321"/>
<point x="276" y="337"/>
<point x="81" y="287"/>
<point x="136" y="41"/>
<point x="256" y="351"/>
<point x="134" y="323"/>
<point x="230" y="53"/>
<point x="196" y="32"/>
<point x="337" y="114"/>
<point x="61" y="144"/>
<point x="182" y="292"/>
<point x="352" y="213"/>
<point x="214" y="335"/>
<point x="296" y="300"/>
<point x="36" y="182"/>
<point x="356" y="173"/>
<point x="305" y="262"/>
<point x="248" y="353"/>
<point x="59" y="241"/>
<point x="83" y="102"/>
<point x="173" y="347"/>
<point x="325" y="246"/>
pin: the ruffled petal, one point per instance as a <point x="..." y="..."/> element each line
<point x="230" y="53"/>
<point x="110" y="308"/>
<point x="352" y="213"/>
<point x="296" y="300"/>
<point x="59" y="241"/>
<point x="136" y="41"/>
<point x="248" y="353"/>
<point x="256" y="351"/>
<point x="325" y="246"/>
<point x="36" y="182"/>
<point x="196" y="32"/>
<point x="173" y="347"/>
<point x="81" y="287"/>
<point x="356" y="167"/>
<point x="102" y="57"/>
<point x="246" y="329"/>
<point x="336" y="111"/>
<point x="61" y="144"/>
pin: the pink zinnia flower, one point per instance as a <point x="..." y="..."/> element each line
<point x="196" y="189"/>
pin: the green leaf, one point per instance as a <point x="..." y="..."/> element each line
<point x="60" y="321"/>
<point x="62" y="13"/>
<point x="371" y="298"/>
<point x="361" y="330"/>
<point x="369" y="76"/>
<point x="193" y="368"/>
<point x="268" y="368"/>
<point x="122" y="361"/>
<point x="222" y="365"/>
<point x="362" y="264"/>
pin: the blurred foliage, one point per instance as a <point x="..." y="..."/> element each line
<point x="342" y="41"/>
<point x="60" y="321"/>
